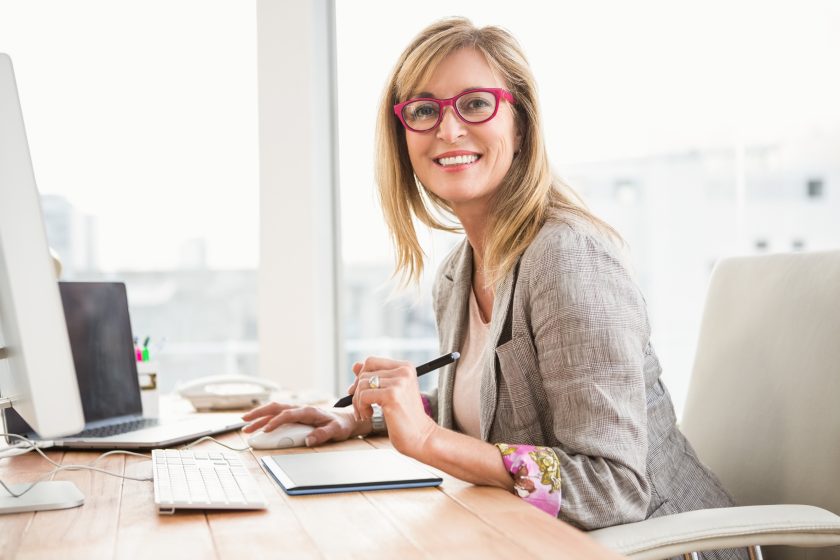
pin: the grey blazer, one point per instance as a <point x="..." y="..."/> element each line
<point x="571" y="366"/>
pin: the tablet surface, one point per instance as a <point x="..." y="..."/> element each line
<point x="347" y="471"/>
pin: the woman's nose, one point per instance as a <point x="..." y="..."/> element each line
<point x="450" y="128"/>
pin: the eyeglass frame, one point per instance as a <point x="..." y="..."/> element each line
<point x="498" y="93"/>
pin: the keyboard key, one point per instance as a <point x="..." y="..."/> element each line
<point x="119" y="428"/>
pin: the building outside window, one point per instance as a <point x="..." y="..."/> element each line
<point x="815" y="188"/>
<point x="142" y="125"/>
<point x="145" y="145"/>
<point x="693" y="149"/>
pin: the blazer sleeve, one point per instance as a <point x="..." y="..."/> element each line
<point x="590" y="331"/>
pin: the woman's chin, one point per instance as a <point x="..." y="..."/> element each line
<point x="458" y="192"/>
<point x="462" y="201"/>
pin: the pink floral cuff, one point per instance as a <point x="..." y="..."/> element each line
<point x="536" y="475"/>
<point x="427" y="405"/>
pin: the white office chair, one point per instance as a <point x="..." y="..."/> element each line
<point x="763" y="411"/>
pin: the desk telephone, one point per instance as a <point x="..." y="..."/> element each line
<point x="224" y="392"/>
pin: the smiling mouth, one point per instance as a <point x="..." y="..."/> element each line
<point x="457" y="160"/>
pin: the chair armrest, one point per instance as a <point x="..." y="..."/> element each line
<point x="713" y="529"/>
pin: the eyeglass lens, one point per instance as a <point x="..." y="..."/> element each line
<point x="473" y="107"/>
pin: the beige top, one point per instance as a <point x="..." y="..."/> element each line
<point x="465" y="397"/>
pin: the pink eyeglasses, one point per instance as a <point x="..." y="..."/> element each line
<point x="474" y="106"/>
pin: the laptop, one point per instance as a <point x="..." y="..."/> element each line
<point x="99" y="327"/>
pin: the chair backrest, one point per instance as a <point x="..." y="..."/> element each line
<point x="763" y="407"/>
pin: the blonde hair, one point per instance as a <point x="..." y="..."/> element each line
<point x="527" y="195"/>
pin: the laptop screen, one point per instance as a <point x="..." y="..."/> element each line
<point x="99" y="327"/>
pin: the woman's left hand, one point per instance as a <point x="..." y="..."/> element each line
<point x="398" y="394"/>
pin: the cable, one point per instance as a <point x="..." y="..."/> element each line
<point x="209" y="438"/>
<point x="122" y="452"/>
<point x="33" y="446"/>
<point x="59" y="467"/>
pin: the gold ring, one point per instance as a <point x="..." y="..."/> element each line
<point x="373" y="382"/>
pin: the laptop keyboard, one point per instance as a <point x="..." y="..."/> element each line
<point x="119" y="428"/>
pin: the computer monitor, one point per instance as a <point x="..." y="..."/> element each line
<point x="37" y="377"/>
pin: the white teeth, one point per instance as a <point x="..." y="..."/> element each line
<point x="457" y="160"/>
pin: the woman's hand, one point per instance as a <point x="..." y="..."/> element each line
<point x="330" y="425"/>
<point x="409" y="427"/>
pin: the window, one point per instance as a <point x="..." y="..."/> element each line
<point x="626" y="192"/>
<point x="667" y="136"/>
<point x="142" y="123"/>
<point x="815" y="188"/>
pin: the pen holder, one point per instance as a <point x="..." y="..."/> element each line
<point x="147" y="373"/>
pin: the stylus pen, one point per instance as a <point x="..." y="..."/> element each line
<point x="437" y="363"/>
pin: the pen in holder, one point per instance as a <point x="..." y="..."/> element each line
<point x="147" y="372"/>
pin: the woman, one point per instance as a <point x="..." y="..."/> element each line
<point x="558" y="381"/>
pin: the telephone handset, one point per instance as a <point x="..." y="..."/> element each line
<point x="225" y="392"/>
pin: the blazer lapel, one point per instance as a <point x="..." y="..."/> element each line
<point x="489" y="383"/>
<point x="452" y="322"/>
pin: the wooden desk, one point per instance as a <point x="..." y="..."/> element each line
<point x="119" y="519"/>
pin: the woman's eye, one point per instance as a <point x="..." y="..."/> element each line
<point x="475" y="105"/>
<point x="424" y="112"/>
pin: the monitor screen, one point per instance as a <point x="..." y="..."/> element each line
<point x="36" y="365"/>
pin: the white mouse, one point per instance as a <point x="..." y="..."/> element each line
<point x="286" y="435"/>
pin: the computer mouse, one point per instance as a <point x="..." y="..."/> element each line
<point x="282" y="437"/>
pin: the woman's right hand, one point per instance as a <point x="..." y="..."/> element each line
<point x="330" y="424"/>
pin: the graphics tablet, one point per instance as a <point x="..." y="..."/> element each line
<point x="347" y="471"/>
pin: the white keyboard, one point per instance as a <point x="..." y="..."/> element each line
<point x="203" y="480"/>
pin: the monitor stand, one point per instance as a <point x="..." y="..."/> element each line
<point x="54" y="494"/>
